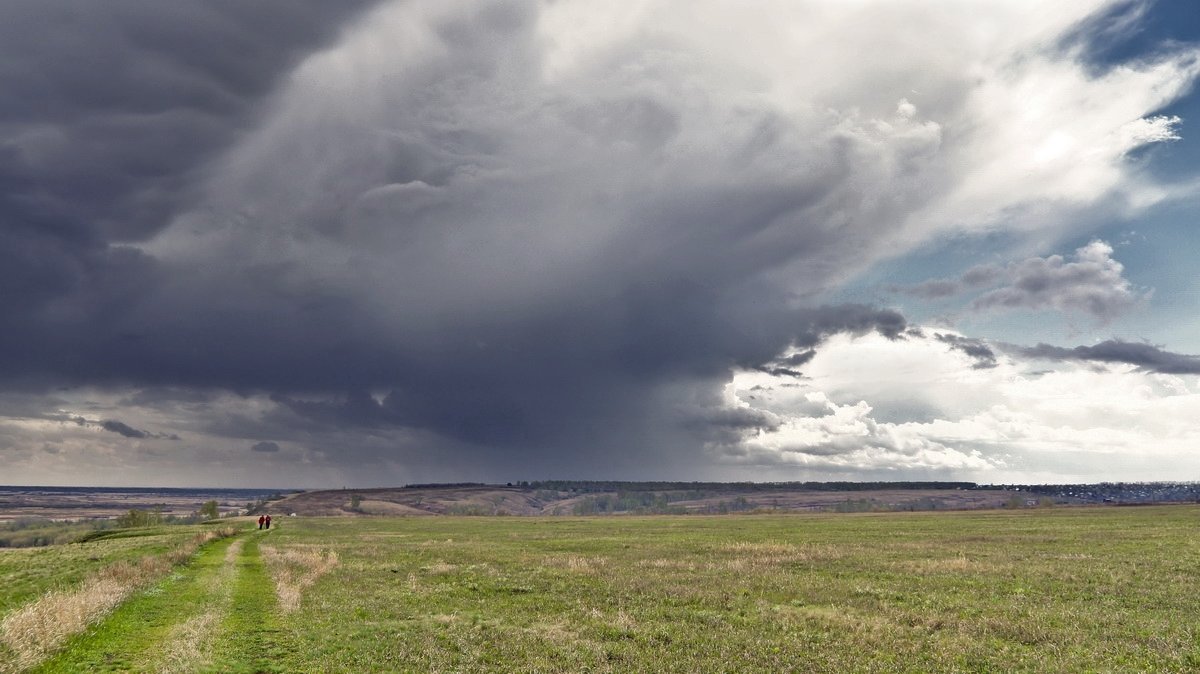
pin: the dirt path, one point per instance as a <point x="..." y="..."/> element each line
<point x="189" y="646"/>
<point x="178" y="624"/>
<point x="249" y="636"/>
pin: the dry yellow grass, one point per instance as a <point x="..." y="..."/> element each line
<point x="576" y="563"/>
<point x="676" y="564"/>
<point x="186" y="648"/>
<point x="557" y="632"/>
<point x="36" y="629"/>
<point x="959" y="564"/>
<point x="294" y="570"/>
<point x="757" y="555"/>
<point x="759" y="548"/>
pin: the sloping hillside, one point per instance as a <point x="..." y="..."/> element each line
<point x="517" y="500"/>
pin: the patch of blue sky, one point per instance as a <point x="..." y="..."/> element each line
<point x="1159" y="248"/>
<point x="1134" y="30"/>
<point x="1141" y="30"/>
<point x="1161" y="251"/>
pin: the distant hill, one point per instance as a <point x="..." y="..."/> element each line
<point x="562" y="497"/>
<point x="592" y="498"/>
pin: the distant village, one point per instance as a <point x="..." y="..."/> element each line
<point x="1121" y="493"/>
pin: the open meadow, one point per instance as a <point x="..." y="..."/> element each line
<point x="1055" y="590"/>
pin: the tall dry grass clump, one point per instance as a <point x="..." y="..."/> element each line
<point x="36" y="629"/>
<point x="294" y="570"/>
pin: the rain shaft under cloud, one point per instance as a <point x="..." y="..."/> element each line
<point x="485" y="239"/>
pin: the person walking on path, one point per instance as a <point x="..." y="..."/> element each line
<point x="261" y="519"/>
<point x="268" y="521"/>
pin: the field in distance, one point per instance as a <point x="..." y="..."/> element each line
<point x="1078" y="589"/>
<point x="82" y="503"/>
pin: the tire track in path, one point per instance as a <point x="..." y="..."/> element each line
<point x="190" y="644"/>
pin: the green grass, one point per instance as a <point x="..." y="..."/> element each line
<point x="1094" y="590"/>
<point x="27" y="572"/>
<point x="1097" y="590"/>
<point x="251" y="641"/>
<point x="135" y="635"/>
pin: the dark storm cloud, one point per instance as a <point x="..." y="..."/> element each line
<point x="521" y="336"/>
<point x="1146" y="357"/>
<point x="855" y="319"/>
<point x="819" y="324"/>
<point x="497" y="397"/>
<point x="265" y="446"/>
<point x="108" y="113"/>
<point x="727" y="427"/>
<point x="105" y="108"/>
<point x="452" y="232"/>
<point x="554" y="320"/>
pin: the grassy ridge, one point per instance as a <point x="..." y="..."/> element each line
<point x="41" y="627"/>
<point x="136" y="635"/>
<point x="28" y="572"/>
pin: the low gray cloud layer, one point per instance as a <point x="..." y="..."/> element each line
<point x="985" y="357"/>
<point x="113" y="426"/>
<point x="123" y="429"/>
<point x="1146" y="357"/>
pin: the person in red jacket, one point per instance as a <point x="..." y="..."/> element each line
<point x="268" y="521"/>
<point x="261" y="519"/>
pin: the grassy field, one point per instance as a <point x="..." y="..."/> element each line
<point x="1098" y="589"/>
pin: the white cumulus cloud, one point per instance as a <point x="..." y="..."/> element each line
<point x="916" y="407"/>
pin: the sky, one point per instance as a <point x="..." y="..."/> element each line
<point x="294" y="243"/>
